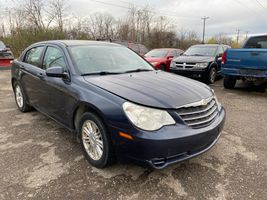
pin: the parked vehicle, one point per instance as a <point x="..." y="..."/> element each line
<point x="6" y="56"/>
<point x="247" y="63"/>
<point x="117" y="103"/>
<point x="200" y="61"/>
<point x="161" y="58"/>
<point x="138" y="48"/>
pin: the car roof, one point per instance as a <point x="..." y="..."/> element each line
<point x="78" y="43"/>
<point x="166" y="49"/>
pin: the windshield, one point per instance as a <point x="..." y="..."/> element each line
<point x="108" y="59"/>
<point x="257" y="42"/>
<point x="157" y="53"/>
<point x="2" y="45"/>
<point x="201" y="51"/>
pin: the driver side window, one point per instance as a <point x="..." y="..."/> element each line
<point x="53" y="58"/>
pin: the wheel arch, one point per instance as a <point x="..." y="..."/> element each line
<point x="80" y="109"/>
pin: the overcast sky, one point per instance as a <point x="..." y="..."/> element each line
<point x="225" y="15"/>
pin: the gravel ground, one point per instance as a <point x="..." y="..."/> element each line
<point x="41" y="160"/>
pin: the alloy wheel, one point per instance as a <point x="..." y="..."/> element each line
<point x="19" y="96"/>
<point x="92" y="140"/>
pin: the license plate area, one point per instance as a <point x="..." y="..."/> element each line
<point x="251" y="72"/>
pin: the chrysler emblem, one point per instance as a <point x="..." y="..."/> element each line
<point x="203" y="102"/>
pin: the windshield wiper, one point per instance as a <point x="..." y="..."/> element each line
<point x="138" y="70"/>
<point x="196" y="55"/>
<point x="100" y="73"/>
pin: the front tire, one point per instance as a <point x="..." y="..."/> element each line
<point x="163" y="67"/>
<point x="229" y="82"/>
<point x="212" y="75"/>
<point x="20" y="98"/>
<point x="95" y="141"/>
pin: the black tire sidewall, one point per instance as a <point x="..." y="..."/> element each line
<point x="163" y="67"/>
<point x="106" y="156"/>
<point x="229" y="82"/>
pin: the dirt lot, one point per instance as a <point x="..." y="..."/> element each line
<point x="41" y="160"/>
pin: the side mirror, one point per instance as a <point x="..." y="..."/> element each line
<point x="57" y="72"/>
<point x="170" y="57"/>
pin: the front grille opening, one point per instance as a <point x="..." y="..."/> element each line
<point x="199" y="116"/>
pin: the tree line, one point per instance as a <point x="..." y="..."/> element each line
<point x="30" y="21"/>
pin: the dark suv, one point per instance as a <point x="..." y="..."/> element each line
<point x="200" y="61"/>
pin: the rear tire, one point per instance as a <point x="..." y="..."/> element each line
<point x="95" y="141"/>
<point x="20" y="98"/>
<point x="229" y="82"/>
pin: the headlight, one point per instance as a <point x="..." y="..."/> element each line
<point x="201" y="65"/>
<point x="146" y="118"/>
<point x="172" y="65"/>
<point x="215" y="98"/>
<point x="154" y="63"/>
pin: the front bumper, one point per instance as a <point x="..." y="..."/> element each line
<point x="171" y="144"/>
<point x="190" y="73"/>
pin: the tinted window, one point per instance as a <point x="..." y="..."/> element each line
<point x="95" y="59"/>
<point x="33" y="56"/>
<point x="53" y="58"/>
<point x="257" y="42"/>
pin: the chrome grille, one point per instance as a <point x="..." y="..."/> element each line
<point x="199" y="115"/>
<point x="184" y="65"/>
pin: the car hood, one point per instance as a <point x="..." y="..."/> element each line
<point x="155" y="89"/>
<point x="193" y="59"/>
<point x="152" y="59"/>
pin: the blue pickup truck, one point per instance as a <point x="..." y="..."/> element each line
<point x="248" y="63"/>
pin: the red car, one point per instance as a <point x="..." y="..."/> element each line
<point x="6" y="56"/>
<point x="161" y="58"/>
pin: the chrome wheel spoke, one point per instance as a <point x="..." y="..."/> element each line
<point x="19" y="97"/>
<point x="92" y="140"/>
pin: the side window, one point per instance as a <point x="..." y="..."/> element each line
<point x="220" y="50"/>
<point x="33" y="56"/>
<point x="172" y="53"/>
<point x="53" y="58"/>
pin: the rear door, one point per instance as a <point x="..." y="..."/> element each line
<point x="31" y="74"/>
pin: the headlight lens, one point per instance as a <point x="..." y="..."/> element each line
<point x="154" y="63"/>
<point x="146" y="118"/>
<point x="201" y="65"/>
<point x="172" y="65"/>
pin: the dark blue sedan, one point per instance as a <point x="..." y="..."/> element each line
<point x="116" y="103"/>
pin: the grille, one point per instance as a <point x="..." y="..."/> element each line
<point x="185" y="65"/>
<point x="198" y="115"/>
